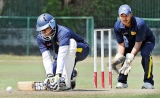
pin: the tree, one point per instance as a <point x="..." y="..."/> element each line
<point x="99" y="9"/>
<point x="96" y="8"/>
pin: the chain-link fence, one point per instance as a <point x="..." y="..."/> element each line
<point x="18" y="34"/>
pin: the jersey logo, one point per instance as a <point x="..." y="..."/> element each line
<point x="79" y="50"/>
<point x="133" y="33"/>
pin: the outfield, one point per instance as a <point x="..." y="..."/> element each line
<point x="28" y="68"/>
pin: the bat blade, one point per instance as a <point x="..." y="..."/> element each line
<point x="30" y="86"/>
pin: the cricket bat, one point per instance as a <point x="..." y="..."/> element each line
<point x="31" y="86"/>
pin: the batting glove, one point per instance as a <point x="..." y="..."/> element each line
<point x="127" y="64"/>
<point x="55" y="83"/>
<point x="59" y="83"/>
<point x="49" y="80"/>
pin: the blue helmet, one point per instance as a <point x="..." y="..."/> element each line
<point x="44" y="21"/>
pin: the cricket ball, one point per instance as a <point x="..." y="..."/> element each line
<point x="9" y="89"/>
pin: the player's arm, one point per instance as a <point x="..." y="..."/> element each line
<point x="140" y="37"/>
<point x="54" y="81"/>
<point x="136" y="48"/>
<point x="47" y="62"/>
<point x="119" y="39"/>
<point x="119" y="57"/>
<point x="121" y="48"/>
<point x="134" y="51"/>
<point x="62" y="52"/>
<point x="46" y="56"/>
<point x="129" y="58"/>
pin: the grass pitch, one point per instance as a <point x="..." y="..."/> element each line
<point x="30" y="68"/>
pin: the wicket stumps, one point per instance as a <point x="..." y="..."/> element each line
<point x="102" y="57"/>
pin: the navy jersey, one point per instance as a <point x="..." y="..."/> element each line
<point x="138" y="32"/>
<point x="61" y="38"/>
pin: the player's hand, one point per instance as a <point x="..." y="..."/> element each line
<point x="127" y="64"/>
<point x="49" y="80"/>
<point x="117" y="62"/>
<point x="56" y="82"/>
<point x="59" y="83"/>
<point x="129" y="57"/>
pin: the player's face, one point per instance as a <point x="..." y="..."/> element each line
<point x="125" y="19"/>
<point x="47" y="32"/>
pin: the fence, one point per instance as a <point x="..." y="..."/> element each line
<point x="140" y="8"/>
<point x="18" y="34"/>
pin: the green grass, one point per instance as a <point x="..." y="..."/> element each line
<point x="30" y="68"/>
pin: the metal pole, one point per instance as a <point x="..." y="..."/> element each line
<point x="110" y="58"/>
<point x="95" y="59"/>
<point x="28" y="36"/>
<point x="102" y="58"/>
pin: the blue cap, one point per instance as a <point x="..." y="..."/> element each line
<point x="124" y="9"/>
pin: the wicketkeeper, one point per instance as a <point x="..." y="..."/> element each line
<point x="133" y="35"/>
<point x="68" y="48"/>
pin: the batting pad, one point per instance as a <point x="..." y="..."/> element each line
<point x="69" y="62"/>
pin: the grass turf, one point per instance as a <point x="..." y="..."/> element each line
<point x="30" y="68"/>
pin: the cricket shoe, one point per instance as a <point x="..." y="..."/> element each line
<point x="121" y="85"/>
<point x="147" y="85"/>
<point x="73" y="80"/>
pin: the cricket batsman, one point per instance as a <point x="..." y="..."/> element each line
<point x="133" y="35"/>
<point x="66" y="46"/>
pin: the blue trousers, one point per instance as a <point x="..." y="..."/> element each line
<point x="147" y="63"/>
<point x="80" y="55"/>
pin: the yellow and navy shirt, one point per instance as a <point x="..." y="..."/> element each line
<point x="62" y="38"/>
<point x="138" y="32"/>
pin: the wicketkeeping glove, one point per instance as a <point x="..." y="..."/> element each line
<point x="117" y="62"/>
<point x="127" y="64"/>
